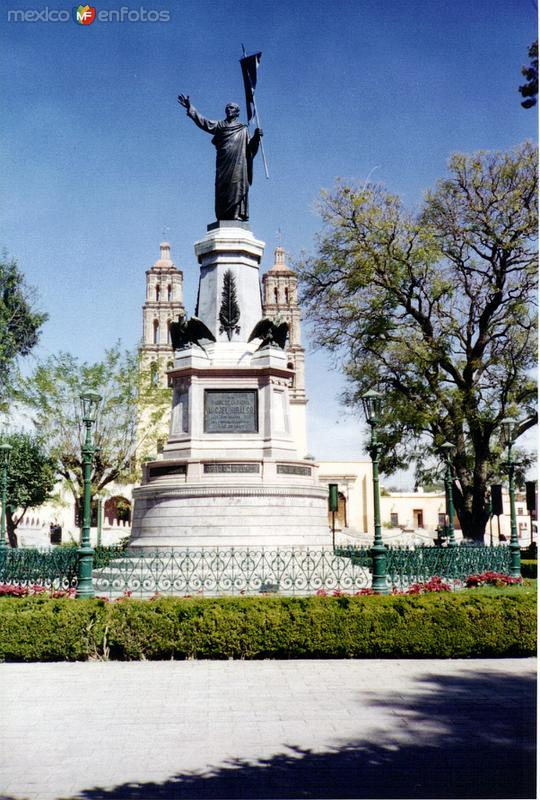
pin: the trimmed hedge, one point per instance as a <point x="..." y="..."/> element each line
<point x="425" y="626"/>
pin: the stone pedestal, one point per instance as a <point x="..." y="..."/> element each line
<point x="228" y="247"/>
<point x="230" y="474"/>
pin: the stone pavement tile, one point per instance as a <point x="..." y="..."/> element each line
<point x="167" y="718"/>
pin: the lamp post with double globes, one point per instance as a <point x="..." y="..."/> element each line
<point x="448" y="448"/>
<point x="508" y="434"/>
<point x="89" y="405"/>
<point x="5" y="453"/>
<point x="371" y="401"/>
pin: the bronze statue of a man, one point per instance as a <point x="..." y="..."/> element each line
<point x="235" y="152"/>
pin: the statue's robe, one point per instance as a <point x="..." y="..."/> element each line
<point x="234" y="164"/>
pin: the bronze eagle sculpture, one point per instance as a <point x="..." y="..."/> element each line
<point x="272" y="334"/>
<point x="186" y="332"/>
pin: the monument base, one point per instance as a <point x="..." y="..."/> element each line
<point x="230" y="474"/>
<point x="233" y="511"/>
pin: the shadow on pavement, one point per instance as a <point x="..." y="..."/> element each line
<point x="478" y="742"/>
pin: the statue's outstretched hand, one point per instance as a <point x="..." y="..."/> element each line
<point x="183" y="99"/>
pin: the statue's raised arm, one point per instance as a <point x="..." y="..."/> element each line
<point x="234" y="159"/>
<point x="183" y="99"/>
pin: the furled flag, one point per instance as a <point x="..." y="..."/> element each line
<point x="249" y="66"/>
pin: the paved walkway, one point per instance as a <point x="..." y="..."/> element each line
<point x="268" y="729"/>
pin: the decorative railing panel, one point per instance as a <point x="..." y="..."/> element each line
<point x="234" y="571"/>
<point x="405" y="566"/>
<point x="55" y="568"/>
<point x="226" y="571"/>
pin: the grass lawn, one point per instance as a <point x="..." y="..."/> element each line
<point x="528" y="587"/>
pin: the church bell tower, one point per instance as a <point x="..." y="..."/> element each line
<point x="280" y="300"/>
<point x="164" y="304"/>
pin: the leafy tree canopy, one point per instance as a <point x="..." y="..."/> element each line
<point x="153" y="412"/>
<point x="20" y="323"/>
<point x="529" y="90"/>
<point x="31" y="478"/>
<point x="435" y="308"/>
<point x="52" y="394"/>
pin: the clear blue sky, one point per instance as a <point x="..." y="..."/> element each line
<point x="98" y="156"/>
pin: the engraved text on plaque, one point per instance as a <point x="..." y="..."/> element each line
<point x="230" y="411"/>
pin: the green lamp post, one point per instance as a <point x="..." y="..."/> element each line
<point x="5" y="453"/>
<point x="333" y="504"/>
<point x="99" y="520"/>
<point x="89" y="406"/>
<point x="448" y="449"/>
<point x="508" y="426"/>
<point x="371" y="401"/>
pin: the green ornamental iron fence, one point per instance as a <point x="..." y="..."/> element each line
<point x="54" y="569"/>
<point x="406" y="566"/>
<point x="239" y="571"/>
<point x="236" y="571"/>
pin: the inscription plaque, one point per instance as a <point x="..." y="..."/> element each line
<point x="230" y="411"/>
<point x="292" y="469"/>
<point x="231" y="468"/>
<point x="167" y="469"/>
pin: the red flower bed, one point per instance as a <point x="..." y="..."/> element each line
<point x="12" y="590"/>
<point x="491" y="579"/>
<point x="434" y="584"/>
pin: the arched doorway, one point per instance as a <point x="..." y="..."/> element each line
<point x="117" y="509"/>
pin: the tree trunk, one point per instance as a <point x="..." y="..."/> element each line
<point x="463" y="504"/>
<point x="473" y="521"/>
<point x="470" y="502"/>
<point x="11" y="528"/>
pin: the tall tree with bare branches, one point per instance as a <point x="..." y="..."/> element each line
<point x="437" y="309"/>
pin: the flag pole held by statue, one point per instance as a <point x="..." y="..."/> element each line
<point x="249" y="66"/>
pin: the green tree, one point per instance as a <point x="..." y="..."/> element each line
<point x="529" y="90"/>
<point x="153" y="412"/>
<point x="436" y="309"/>
<point x="31" y="479"/>
<point x="52" y="393"/>
<point x="52" y="396"/>
<point x="20" y="323"/>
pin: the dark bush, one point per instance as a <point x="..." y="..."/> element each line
<point x="529" y="568"/>
<point x="424" y="626"/>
